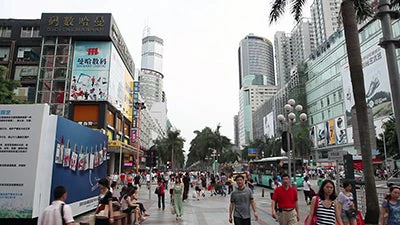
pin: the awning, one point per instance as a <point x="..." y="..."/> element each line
<point x="118" y="146"/>
<point x="358" y="165"/>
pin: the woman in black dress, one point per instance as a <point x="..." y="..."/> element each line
<point x="104" y="211"/>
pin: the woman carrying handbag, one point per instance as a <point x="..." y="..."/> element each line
<point x="104" y="211"/>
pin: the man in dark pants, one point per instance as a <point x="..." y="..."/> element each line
<point x="186" y="183"/>
<point x="241" y="199"/>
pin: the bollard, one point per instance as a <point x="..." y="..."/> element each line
<point x="262" y="192"/>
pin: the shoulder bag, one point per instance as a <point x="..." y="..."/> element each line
<point x="314" y="218"/>
<point x="102" y="211"/>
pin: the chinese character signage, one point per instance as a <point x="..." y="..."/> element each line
<point x="75" y="24"/>
<point x="90" y="75"/>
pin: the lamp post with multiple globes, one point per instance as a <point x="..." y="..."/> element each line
<point x="290" y="121"/>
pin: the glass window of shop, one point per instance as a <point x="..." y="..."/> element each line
<point x="28" y="54"/>
<point x="4" y="54"/>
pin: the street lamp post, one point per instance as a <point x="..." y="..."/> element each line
<point x="139" y="106"/>
<point x="290" y="122"/>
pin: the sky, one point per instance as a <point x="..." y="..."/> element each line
<point x="201" y="40"/>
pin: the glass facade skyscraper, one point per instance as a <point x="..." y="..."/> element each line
<point x="256" y="81"/>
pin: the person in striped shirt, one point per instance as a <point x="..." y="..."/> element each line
<point x="325" y="206"/>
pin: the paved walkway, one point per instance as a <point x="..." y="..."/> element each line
<point x="211" y="210"/>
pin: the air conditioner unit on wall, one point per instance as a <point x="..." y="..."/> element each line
<point x="21" y="93"/>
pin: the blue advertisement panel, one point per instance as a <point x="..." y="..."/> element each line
<point x="79" y="162"/>
<point x="252" y="152"/>
<point x="91" y="69"/>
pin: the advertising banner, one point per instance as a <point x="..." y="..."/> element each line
<point x="252" y="152"/>
<point x="269" y="125"/>
<point x="25" y="159"/>
<point x="116" y="86"/>
<point x="81" y="183"/>
<point x="340" y="131"/>
<point x="312" y="135"/>
<point x="90" y="74"/>
<point x="321" y="135"/>
<point x="330" y="128"/>
<point x="377" y="86"/>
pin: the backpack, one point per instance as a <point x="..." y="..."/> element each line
<point x="62" y="214"/>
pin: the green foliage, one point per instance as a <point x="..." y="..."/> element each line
<point x="390" y="139"/>
<point x="363" y="9"/>
<point x="171" y="146"/>
<point x="267" y="147"/>
<point x="206" y="140"/>
<point x="7" y="88"/>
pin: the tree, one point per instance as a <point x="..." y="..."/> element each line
<point x="202" y="146"/>
<point x="390" y="139"/>
<point x="351" y="11"/>
<point x="7" y="88"/>
<point x="171" y="149"/>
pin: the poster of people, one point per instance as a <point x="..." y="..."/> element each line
<point x="340" y="131"/>
<point x="321" y="135"/>
<point x="90" y="74"/>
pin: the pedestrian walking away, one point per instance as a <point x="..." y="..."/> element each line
<point x="349" y="211"/>
<point x="390" y="208"/>
<point x="58" y="213"/>
<point x="286" y="198"/>
<point x="306" y="190"/>
<point x="161" y="193"/>
<point x="240" y="202"/>
<point x="328" y="209"/>
<point x="178" y="198"/>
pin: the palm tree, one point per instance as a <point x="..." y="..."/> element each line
<point x="351" y="11"/>
<point x="204" y="143"/>
<point x="171" y="148"/>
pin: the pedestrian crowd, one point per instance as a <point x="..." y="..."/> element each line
<point x="326" y="206"/>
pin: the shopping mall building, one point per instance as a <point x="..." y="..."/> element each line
<point x="79" y="64"/>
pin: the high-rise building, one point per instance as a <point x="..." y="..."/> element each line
<point x="283" y="58"/>
<point x="151" y="79"/>
<point x="250" y="98"/>
<point x="256" y="61"/>
<point x="257" y="81"/>
<point x="324" y="17"/>
<point x="292" y="48"/>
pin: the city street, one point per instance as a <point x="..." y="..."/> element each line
<point x="208" y="210"/>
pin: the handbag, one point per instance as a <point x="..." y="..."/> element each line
<point x="314" y="218"/>
<point x="312" y="192"/>
<point x="102" y="211"/>
<point x="157" y="191"/>
<point x="351" y="213"/>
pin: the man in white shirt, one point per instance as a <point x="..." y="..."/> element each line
<point x="58" y="213"/>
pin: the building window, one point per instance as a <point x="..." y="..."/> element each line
<point x="28" y="54"/>
<point x="30" y="32"/>
<point x="26" y="72"/>
<point x="4" y="53"/>
<point x="5" y="31"/>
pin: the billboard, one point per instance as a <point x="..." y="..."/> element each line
<point x="42" y="151"/>
<point x="25" y="156"/>
<point x="313" y="137"/>
<point x="377" y="86"/>
<point x="321" y="135"/>
<point x="79" y="162"/>
<point x="252" y="152"/>
<point x="121" y="85"/>
<point x="268" y="122"/>
<point x="330" y="129"/>
<point x="340" y="131"/>
<point x="90" y="74"/>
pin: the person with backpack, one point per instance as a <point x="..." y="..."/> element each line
<point x="58" y="213"/>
